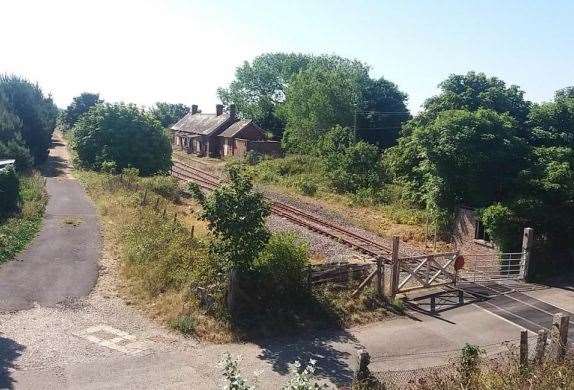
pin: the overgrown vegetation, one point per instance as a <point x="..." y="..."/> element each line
<point x="27" y="120"/>
<point x="477" y="143"/>
<point x="19" y="227"/>
<point x="169" y="113"/>
<point x="475" y="372"/>
<point x="180" y="278"/>
<point x="118" y="136"/>
<point x="9" y="191"/>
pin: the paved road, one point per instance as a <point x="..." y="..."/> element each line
<point x="61" y="264"/>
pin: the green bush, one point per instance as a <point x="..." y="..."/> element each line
<point x="123" y="134"/>
<point x="281" y="270"/>
<point x="166" y="186"/>
<point x="307" y="187"/>
<point x="9" y="191"/>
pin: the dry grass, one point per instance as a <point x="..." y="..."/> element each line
<point x="162" y="266"/>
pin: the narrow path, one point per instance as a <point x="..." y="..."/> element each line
<point x="61" y="263"/>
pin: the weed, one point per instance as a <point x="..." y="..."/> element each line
<point x="184" y="323"/>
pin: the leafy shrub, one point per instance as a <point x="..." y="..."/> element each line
<point x="281" y="270"/>
<point x="502" y="226"/>
<point x="123" y="134"/>
<point x="9" y="190"/>
<point x="307" y="187"/>
<point x="252" y="157"/>
<point x="236" y="216"/>
<point x="184" y="323"/>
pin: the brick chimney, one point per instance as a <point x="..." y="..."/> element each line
<point x="194" y="109"/>
<point x="232" y="112"/>
<point x="219" y="109"/>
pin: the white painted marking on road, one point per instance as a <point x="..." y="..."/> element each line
<point x="113" y="338"/>
<point x="514" y="315"/>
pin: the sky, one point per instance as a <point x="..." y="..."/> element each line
<point x="144" y="51"/>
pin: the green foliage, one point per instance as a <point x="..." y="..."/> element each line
<point x="9" y="191"/>
<point x="469" y="361"/>
<point x="166" y="186"/>
<point x="335" y="91"/>
<point x="502" y="226"/>
<point x="350" y="165"/>
<point x="17" y="230"/>
<point x="236" y="216"/>
<point x="184" y="323"/>
<point x="473" y="91"/>
<point x="169" y="113"/>
<point x="27" y="120"/>
<point x="460" y="157"/>
<point x="300" y="379"/>
<point x="259" y="88"/>
<point x="308" y="187"/>
<point x="79" y="106"/>
<point x="309" y="94"/>
<point x="123" y="134"/>
<point x="281" y="270"/>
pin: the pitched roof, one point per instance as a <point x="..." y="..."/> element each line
<point x="235" y="128"/>
<point x="200" y="123"/>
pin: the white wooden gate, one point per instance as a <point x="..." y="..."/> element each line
<point x="419" y="272"/>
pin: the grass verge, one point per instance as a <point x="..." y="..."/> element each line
<point x="18" y="229"/>
<point x="163" y="251"/>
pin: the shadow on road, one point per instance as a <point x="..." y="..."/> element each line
<point x="9" y="352"/>
<point x="332" y="363"/>
<point x="54" y="166"/>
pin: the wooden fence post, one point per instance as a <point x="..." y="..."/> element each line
<point x="192" y="231"/>
<point x="523" y="349"/>
<point x="380" y="276"/>
<point x="396" y="270"/>
<point x="156" y="206"/>
<point x="527" y="242"/>
<point x="559" y="336"/>
<point x="540" y="346"/>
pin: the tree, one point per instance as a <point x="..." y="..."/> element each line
<point x="336" y="91"/>
<point x="460" y="157"/>
<point x="124" y="135"/>
<point x="79" y="106"/>
<point x="350" y="165"/>
<point x="36" y="114"/>
<point x="259" y="88"/>
<point x="169" y="113"/>
<point x="473" y="91"/>
<point x="236" y="216"/>
<point x="11" y="143"/>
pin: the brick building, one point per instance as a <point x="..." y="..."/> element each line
<point x="220" y="135"/>
<point x="469" y="235"/>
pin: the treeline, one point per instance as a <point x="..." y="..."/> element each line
<point x="477" y="143"/>
<point x="27" y="120"/>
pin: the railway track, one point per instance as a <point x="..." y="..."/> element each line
<point x="208" y="181"/>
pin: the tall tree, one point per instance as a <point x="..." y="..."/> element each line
<point x="36" y="112"/>
<point x="338" y="91"/>
<point x="79" y="106"/>
<point x="169" y="113"/>
<point x="259" y="88"/>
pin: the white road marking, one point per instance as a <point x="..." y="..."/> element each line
<point x="117" y="340"/>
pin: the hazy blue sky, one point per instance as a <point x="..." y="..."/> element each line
<point x="143" y="51"/>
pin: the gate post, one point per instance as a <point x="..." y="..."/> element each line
<point x="527" y="242"/>
<point x="396" y="270"/>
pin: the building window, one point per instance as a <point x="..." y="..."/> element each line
<point x="480" y="232"/>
